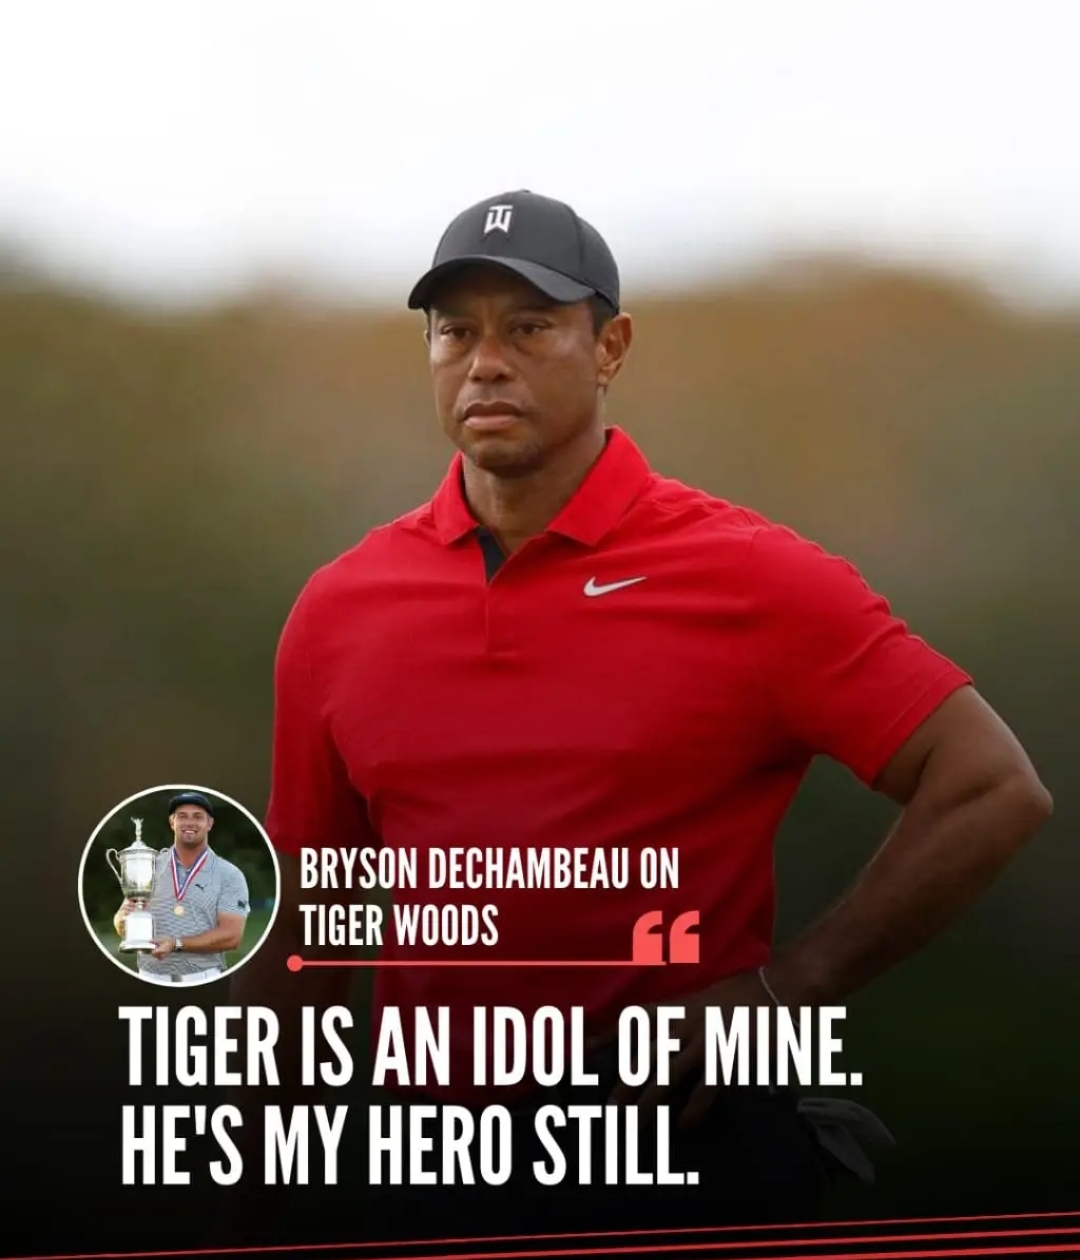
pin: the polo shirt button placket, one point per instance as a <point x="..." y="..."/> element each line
<point x="501" y="596"/>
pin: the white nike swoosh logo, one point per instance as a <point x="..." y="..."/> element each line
<point x="591" y="587"/>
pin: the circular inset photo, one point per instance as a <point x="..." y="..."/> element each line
<point x="179" y="885"/>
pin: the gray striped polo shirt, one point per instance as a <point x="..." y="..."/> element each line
<point x="218" y="887"/>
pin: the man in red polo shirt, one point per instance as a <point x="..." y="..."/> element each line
<point x="563" y="649"/>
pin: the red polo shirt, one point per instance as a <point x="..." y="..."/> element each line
<point x="656" y="669"/>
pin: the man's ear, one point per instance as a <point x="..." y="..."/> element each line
<point x="612" y="346"/>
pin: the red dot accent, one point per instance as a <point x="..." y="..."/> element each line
<point x="294" y="962"/>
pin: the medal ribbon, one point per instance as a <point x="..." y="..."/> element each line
<point x="180" y="888"/>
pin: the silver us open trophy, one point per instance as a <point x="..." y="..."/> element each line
<point x="134" y="868"/>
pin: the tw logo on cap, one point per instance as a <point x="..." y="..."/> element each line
<point x="498" y="219"/>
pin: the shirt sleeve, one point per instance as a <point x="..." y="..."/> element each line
<point x="234" y="897"/>
<point x="312" y="802"/>
<point x="846" y="678"/>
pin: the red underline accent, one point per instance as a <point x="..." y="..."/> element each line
<point x="653" y="1249"/>
<point x="296" y="963"/>
<point x="685" y="1231"/>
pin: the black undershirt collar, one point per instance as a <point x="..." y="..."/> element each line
<point x="493" y="554"/>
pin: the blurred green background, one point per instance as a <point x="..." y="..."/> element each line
<point x="173" y="479"/>
<point x="234" y="837"/>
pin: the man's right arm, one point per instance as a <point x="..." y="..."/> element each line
<point x="312" y="805"/>
<point x="120" y="917"/>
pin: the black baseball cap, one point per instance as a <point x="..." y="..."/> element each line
<point x="190" y="798"/>
<point x="542" y="240"/>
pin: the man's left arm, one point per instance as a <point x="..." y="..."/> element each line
<point x="971" y="799"/>
<point x="849" y="681"/>
<point x="228" y="934"/>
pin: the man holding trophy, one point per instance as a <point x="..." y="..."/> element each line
<point x="186" y="905"/>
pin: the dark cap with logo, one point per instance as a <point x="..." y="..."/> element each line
<point x="537" y="238"/>
<point x="190" y="798"/>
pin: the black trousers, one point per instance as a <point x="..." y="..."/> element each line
<point x="756" y="1159"/>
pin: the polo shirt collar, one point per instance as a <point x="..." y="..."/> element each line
<point x="210" y="855"/>
<point x="610" y="486"/>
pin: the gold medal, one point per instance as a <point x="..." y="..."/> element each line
<point x="178" y="911"/>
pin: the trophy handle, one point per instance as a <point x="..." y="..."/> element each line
<point x="114" y="866"/>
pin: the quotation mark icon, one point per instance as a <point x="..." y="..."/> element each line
<point x="683" y="943"/>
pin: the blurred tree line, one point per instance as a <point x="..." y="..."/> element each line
<point x="172" y="479"/>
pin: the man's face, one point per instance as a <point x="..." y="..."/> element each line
<point x="191" y="825"/>
<point x="515" y="375"/>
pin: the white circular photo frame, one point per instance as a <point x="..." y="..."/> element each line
<point x="92" y="850"/>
